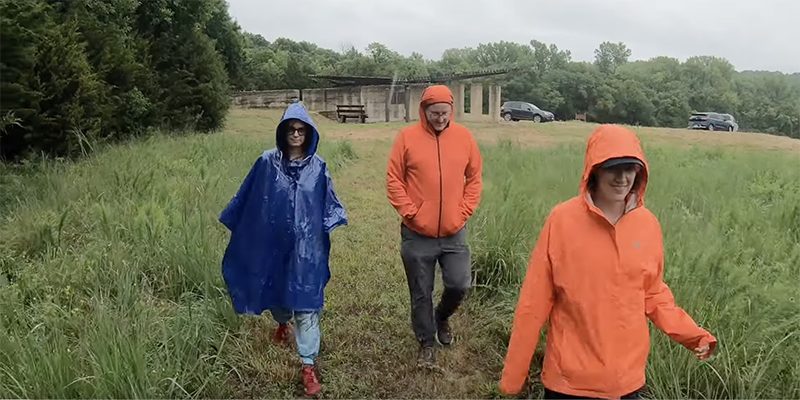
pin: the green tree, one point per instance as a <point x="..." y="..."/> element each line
<point x="78" y="71"/>
<point x="609" y="56"/>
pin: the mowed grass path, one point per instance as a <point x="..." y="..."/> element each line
<point x="110" y="279"/>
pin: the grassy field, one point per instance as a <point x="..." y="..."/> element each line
<point x="110" y="283"/>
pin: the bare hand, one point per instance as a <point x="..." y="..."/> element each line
<point x="702" y="352"/>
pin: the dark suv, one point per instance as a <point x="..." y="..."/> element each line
<point x="518" y="110"/>
<point x="713" y="122"/>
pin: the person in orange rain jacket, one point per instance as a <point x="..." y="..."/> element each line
<point x="433" y="180"/>
<point x="597" y="274"/>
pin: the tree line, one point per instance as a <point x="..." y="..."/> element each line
<point x="662" y="91"/>
<point x="77" y="72"/>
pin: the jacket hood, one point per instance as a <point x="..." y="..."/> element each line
<point x="297" y="111"/>
<point x="432" y="95"/>
<point x="613" y="141"/>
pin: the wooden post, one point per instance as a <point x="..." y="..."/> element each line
<point x="388" y="101"/>
<point x="407" y="102"/>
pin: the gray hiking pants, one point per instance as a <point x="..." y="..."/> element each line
<point x="420" y="254"/>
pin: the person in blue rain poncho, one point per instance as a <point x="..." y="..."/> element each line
<point x="280" y="221"/>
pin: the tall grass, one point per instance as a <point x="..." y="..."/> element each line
<point x="731" y="224"/>
<point x="111" y="283"/>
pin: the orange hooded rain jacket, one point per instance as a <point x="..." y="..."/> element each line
<point x="598" y="284"/>
<point x="434" y="181"/>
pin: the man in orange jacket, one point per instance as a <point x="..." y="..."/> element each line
<point x="597" y="274"/>
<point x="433" y="180"/>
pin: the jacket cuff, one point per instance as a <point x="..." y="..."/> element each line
<point x="709" y="340"/>
<point x="505" y="388"/>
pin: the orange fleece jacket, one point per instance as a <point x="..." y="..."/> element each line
<point x="597" y="283"/>
<point x="434" y="181"/>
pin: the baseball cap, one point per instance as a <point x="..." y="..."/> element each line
<point x="621" y="160"/>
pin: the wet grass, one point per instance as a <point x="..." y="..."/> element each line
<point x="110" y="280"/>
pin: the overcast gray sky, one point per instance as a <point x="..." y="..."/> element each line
<point x="761" y="35"/>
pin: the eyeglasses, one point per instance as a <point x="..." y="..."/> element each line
<point x="301" y="131"/>
<point x="437" y="115"/>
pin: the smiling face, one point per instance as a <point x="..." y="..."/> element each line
<point x="438" y="115"/>
<point x="613" y="184"/>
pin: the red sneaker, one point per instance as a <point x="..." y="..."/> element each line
<point x="282" y="335"/>
<point x="310" y="381"/>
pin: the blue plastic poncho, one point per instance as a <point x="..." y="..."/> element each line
<point x="280" y="221"/>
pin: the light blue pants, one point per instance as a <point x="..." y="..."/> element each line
<point x="306" y="331"/>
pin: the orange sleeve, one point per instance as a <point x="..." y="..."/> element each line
<point x="668" y="317"/>
<point x="533" y="309"/>
<point x="474" y="180"/>
<point x="396" y="189"/>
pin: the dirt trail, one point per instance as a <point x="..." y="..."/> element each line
<point x="368" y="347"/>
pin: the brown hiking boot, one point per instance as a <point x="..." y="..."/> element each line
<point x="282" y="335"/>
<point x="311" y="383"/>
<point x="427" y="356"/>
<point x="443" y="332"/>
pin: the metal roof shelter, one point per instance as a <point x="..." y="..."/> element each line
<point x="344" y="80"/>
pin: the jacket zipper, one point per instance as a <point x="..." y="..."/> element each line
<point x="439" y="153"/>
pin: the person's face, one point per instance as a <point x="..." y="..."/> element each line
<point x="615" y="183"/>
<point x="438" y="115"/>
<point x="296" y="133"/>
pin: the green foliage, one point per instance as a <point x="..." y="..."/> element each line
<point x="86" y="304"/>
<point x="228" y="41"/>
<point x="70" y="108"/>
<point x="609" y="56"/>
<point x="83" y="71"/>
<point x="78" y="72"/>
<point x="18" y="97"/>
<point x="110" y="284"/>
<point x="343" y="155"/>
<point x="52" y="88"/>
<point x="198" y="85"/>
<point x="661" y="91"/>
